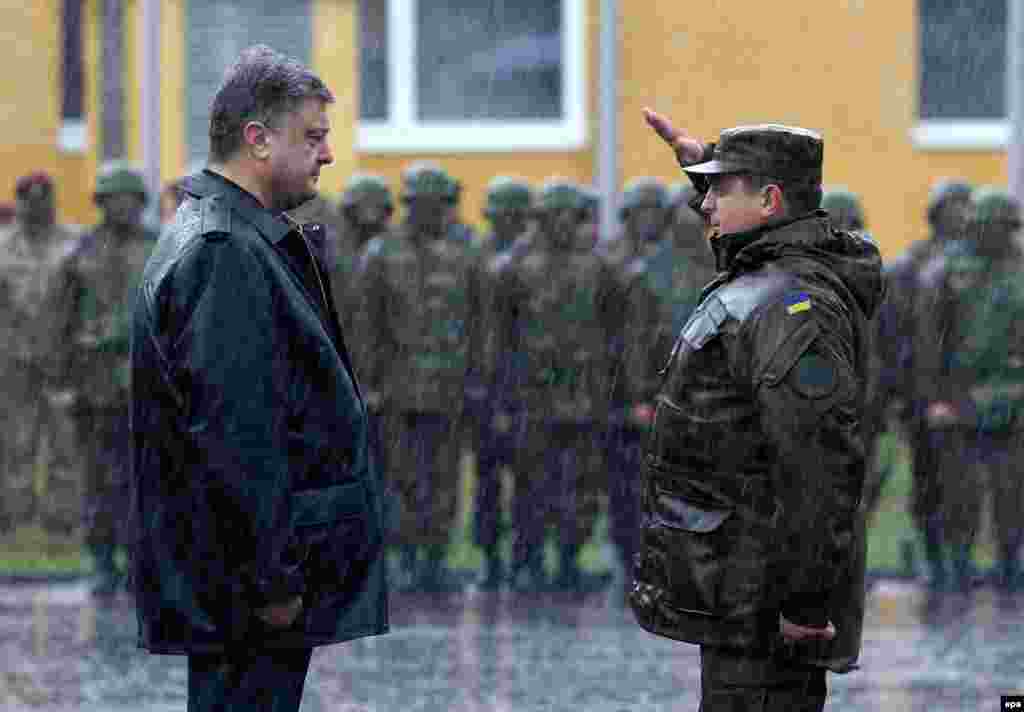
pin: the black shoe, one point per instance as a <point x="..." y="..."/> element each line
<point x="494" y="574"/>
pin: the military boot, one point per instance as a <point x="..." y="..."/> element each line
<point x="569" y="574"/>
<point x="528" y="575"/>
<point x="107" y="581"/>
<point x="494" y="570"/>
<point x="936" y="559"/>
<point x="433" y="575"/>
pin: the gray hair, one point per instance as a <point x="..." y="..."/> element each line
<point x="263" y="85"/>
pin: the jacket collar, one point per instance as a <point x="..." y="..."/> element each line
<point x="243" y="203"/>
<point x="731" y="250"/>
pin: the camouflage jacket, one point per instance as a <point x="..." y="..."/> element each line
<point x="972" y="344"/>
<point x="95" y="294"/>
<point x="421" y="319"/>
<point x="658" y="287"/>
<point x="29" y="341"/>
<point x="556" y="318"/>
<point x="755" y="463"/>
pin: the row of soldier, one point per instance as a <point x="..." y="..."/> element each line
<point x="536" y="347"/>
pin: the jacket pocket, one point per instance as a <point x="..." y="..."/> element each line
<point x="693" y="546"/>
<point x="332" y="530"/>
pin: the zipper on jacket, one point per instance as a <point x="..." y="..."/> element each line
<point x="312" y="259"/>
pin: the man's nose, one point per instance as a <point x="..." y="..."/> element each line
<point x="326" y="155"/>
<point x="708" y="204"/>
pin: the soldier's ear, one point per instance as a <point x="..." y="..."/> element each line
<point x="772" y="201"/>
<point x="256" y="137"/>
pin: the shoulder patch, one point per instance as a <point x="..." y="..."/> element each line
<point x="814" y="376"/>
<point x="797" y="302"/>
<point x="215" y="217"/>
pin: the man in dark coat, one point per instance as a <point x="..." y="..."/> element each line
<point x="753" y="536"/>
<point x="256" y="498"/>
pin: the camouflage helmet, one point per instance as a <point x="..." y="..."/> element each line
<point x="119" y="177"/>
<point x="995" y="206"/>
<point x="944" y="191"/>
<point x="428" y="180"/>
<point x="505" y="194"/>
<point x="365" y="186"/>
<point x="844" y="207"/>
<point x="560" y="193"/>
<point x="643" y="192"/>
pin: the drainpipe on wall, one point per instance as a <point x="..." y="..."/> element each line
<point x="1015" y="96"/>
<point x="608" y="131"/>
<point x="149" y="114"/>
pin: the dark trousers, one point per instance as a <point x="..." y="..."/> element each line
<point x="731" y="681"/>
<point x="498" y="438"/>
<point x="247" y="680"/>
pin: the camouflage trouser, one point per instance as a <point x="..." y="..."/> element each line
<point x="958" y="485"/>
<point x="1004" y="457"/>
<point x="557" y="483"/>
<point x="625" y="452"/>
<point x="423" y="457"/>
<point x="39" y="477"/>
<point x="731" y="681"/>
<point x="498" y="436"/>
<point x="104" y="445"/>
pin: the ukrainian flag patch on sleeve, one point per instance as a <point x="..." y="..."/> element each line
<point x="798" y="302"/>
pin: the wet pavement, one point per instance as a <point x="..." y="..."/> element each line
<point x="483" y="652"/>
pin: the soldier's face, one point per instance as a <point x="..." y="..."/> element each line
<point x="36" y="206"/>
<point x="123" y="209"/>
<point x="646" y="222"/>
<point x="429" y="215"/>
<point x="509" y="224"/>
<point x="298" y="150"/>
<point x="732" y="207"/>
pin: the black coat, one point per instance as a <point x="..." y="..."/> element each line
<point x="252" y="478"/>
<point x="755" y="465"/>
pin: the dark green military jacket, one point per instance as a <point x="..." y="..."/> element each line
<point x="421" y="315"/>
<point x="96" y="287"/>
<point x="252" y="478"/>
<point x="755" y="463"/>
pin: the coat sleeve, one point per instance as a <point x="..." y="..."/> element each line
<point x="233" y="362"/>
<point x="803" y="366"/>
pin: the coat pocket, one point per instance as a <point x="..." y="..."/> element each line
<point x="332" y="529"/>
<point x="694" y="547"/>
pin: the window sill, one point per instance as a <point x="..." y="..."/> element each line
<point x="471" y="137"/>
<point x="961" y="135"/>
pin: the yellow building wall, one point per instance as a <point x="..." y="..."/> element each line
<point x="335" y="57"/>
<point x="30" y="104"/>
<point x="475" y="170"/>
<point x="844" y="67"/>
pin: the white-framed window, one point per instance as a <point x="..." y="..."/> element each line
<point x="962" y="75"/>
<point x="471" y="75"/>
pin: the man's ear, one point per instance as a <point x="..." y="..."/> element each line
<point x="256" y="139"/>
<point x="772" y="202"/>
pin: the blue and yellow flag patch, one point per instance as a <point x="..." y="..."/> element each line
<point x="798" y="302"/>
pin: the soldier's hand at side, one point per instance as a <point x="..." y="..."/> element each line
<point x="281" y="615"/>
<point x="688" y="150"/>
<point x="793" y="632"/>
<point x="941" y="413"/>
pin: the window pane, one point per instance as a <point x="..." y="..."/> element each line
<point x="373" y="59"/>
<point x="218" y="31"/>
<point x="498" y="59"/>
<point x="963" y="59"/>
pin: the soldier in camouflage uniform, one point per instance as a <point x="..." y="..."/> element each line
<point x="95" y="293"/>
<point x="845" y="210"/>
<point x="642" y="296"/>
<point x="33" y="463"/>
<point x="422" y="320"/>
<point x="972" y="371"/>
<point x="457" y="230"/>
<point x="496" y="414"/>
<point x="899" y="346"/>
<point x="691" y="262"/>
<point x="558" y="319"/>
